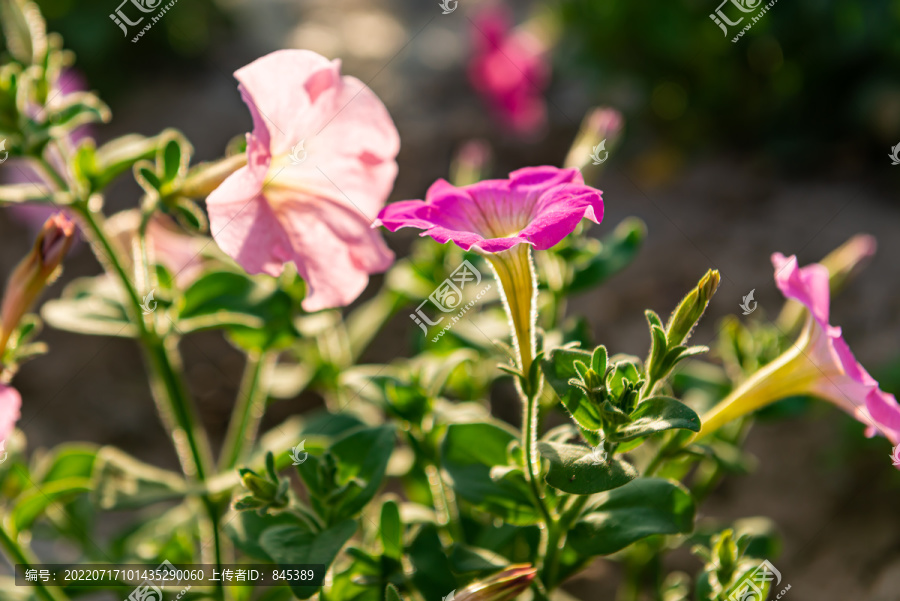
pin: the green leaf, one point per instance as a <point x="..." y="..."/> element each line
<point x="122" y="482"/>
<point x="19" y="193"/>
<point x="433" y="576"/>
<point x="469" y="453"/>
<point x="77" y="109"/>
<point x="609" y="255"/>
<point x="641" y="508"/>
<point x="90" y="306"/>
<point x="391" y="593"/>
<point x="391" y="530"/>
<point x="32" y="504"/>
<point x="66" y="461"/>
<point x="288" y="544"/>
<point x="658" y="414"/>
<point x="119" y="155"/>
<point x="362" y="456"/>
<point x="559" y="368"/>
<point x="578" y="470"/>
<point x="473" y="559"/>
<point x="226" y="292"/>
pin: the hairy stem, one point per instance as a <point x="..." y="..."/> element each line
<point x="249" y="408"/>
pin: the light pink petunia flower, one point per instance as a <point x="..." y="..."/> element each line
<point x="536" y="205"/>
<point x="841" y="379"/>
<point x="321" y="163"/>
<point x="10" y="404"/>
<point x="819" y="364"/>
<point x="509" y="69"/>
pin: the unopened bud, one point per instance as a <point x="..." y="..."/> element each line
<point x="691" y="309"/>
<point x="600" y="132"/>
<point x="260" y="487"/>
<point x="472" y="163"/>
<point x="37" y="269"/>
<point x="503" y="586"/>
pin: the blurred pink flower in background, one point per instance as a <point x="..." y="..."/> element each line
<point x="510" y="71"/>
<point x="10" y="404"/>
<point x="320" y="165"/>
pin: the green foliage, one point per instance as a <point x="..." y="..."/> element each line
<point x="642" y="508"/>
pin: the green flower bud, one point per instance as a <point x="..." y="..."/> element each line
<point x="691" y="309"/>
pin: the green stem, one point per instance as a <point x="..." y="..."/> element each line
<point x="170" y="392"/>
<point x="445" y="502"/>
<point x="557" y="540"/>
<point x="514" y="270"/>
<point x="20" y="555"/>
<point x="249" y="408"/>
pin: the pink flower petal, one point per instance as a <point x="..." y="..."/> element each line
<point x="321" y="165"/>
<point x="10" y="406"/>
<point x="536" y="205"/>
<point x="808" y="285"/>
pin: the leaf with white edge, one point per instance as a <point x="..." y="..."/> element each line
<point x="579" y="470"/>
<point x="642" y="508"/>
<point x="658" y="414"/>
<point x="94" y="305"/>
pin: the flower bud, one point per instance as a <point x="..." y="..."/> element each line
<point x="601" y="128"/>
<point x="502" y="586"/>
<point x="691" y="309"/>
<point x="37" y="269"/>
<point x="10" y="404"/>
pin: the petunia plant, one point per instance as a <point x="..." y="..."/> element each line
<point x="404" y="483"/>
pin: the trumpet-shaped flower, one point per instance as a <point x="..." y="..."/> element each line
<point x="10" y="403"/>
<point x="320" y="165"/>
<point x="819" y="364"/>
<point x="536" y="206"/>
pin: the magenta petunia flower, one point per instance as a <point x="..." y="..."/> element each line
<point x="537" y="205"/>
<point x="819" y="364"/>
<point x="321" y="163"/>
<point x="10" y="404"/>
<point x="509" y="69"/>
